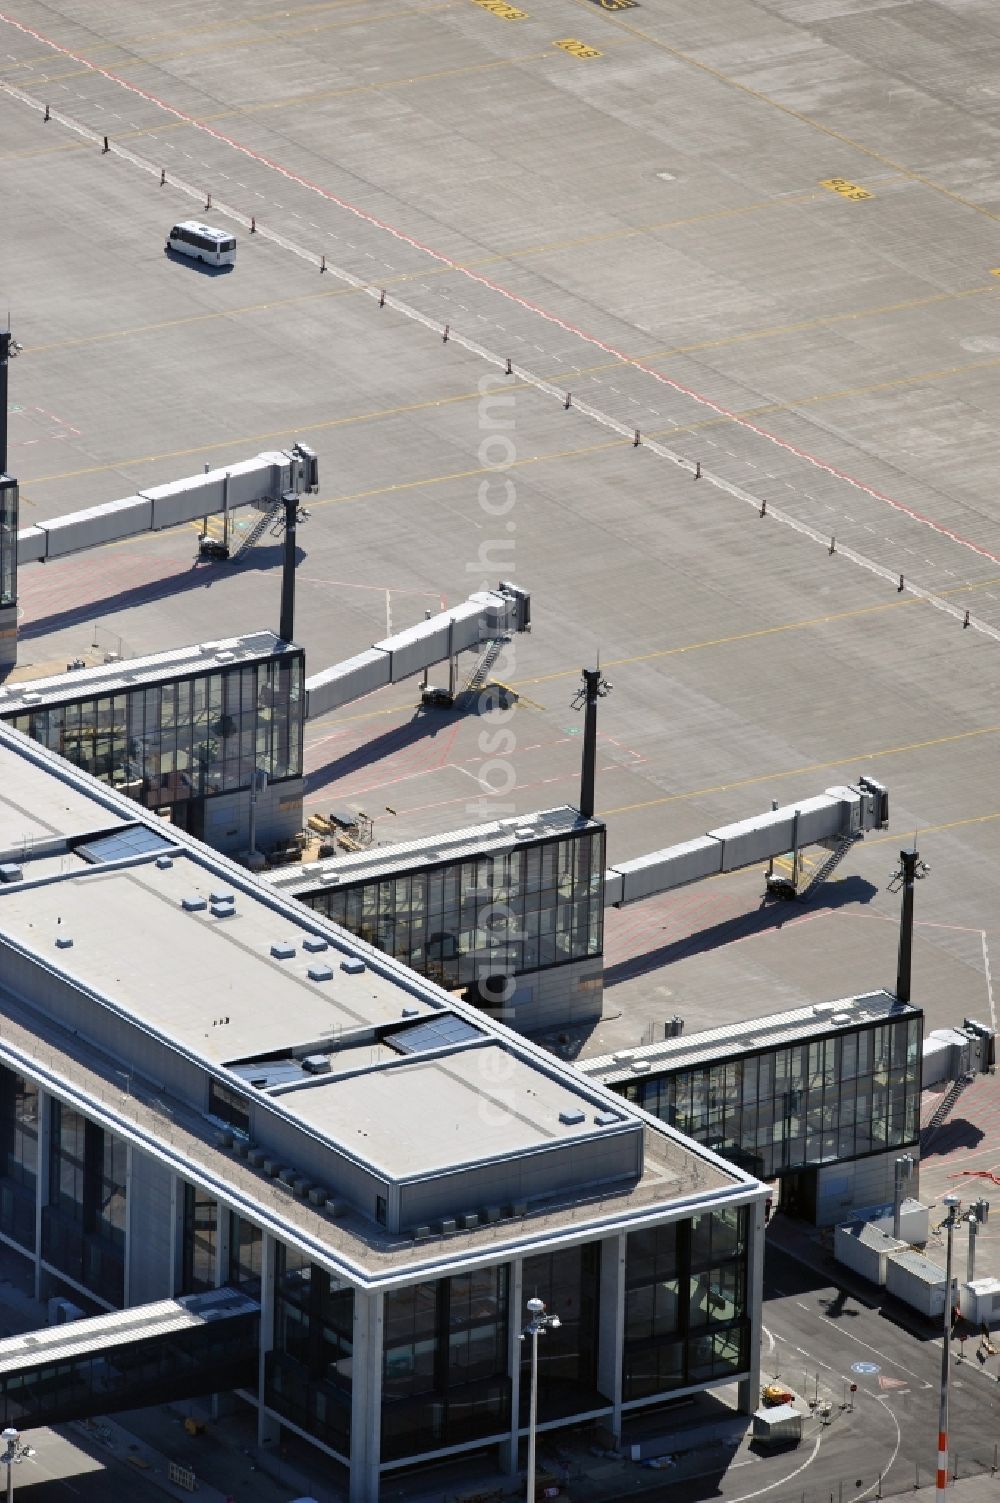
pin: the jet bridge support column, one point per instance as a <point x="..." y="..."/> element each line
<point x="286" y="630"/>
<point x="8" y="523"/>
<point x="911" y="869"/>
<point x="594" y="688"/>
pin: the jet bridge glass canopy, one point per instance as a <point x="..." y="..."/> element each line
<point x="8" y="540"/>
<point x="779" y="1110"/>
<point x="463" y="921"/>
<point x="170" y="743"/>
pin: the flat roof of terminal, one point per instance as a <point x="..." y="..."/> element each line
<point x="197" y="952"/>
<point x="211" y="984"/>
<point x="454" y="845"/>
<point x="114" y="678"/>
<point x="422" y="1116"/>
<point x="36" y="808"/>
<point x="715" y="1044"/>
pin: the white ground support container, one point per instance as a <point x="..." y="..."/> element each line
<point x="918" y="1282"/>
<point x="864" y="1248"/>
<point x="914" y="1223"/>
<point x="980" y="1302"/>
<point x="780" y="1426"/>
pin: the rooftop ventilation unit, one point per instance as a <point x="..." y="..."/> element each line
<point x="193" y="904"/>
<point x="10" y="872"/>
<point x="316" y="1064"/>
<point x="320" y="973"/>
<point x="353" y="965"/>
<point x="571" y="1117"/>
<point x="283" y="950"/>
<point x="314" y="943"/>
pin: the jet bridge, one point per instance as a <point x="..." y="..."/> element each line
<point x="150" y="1354"/>
<point x="834" y="819"/>
<point x="263" y="479"/>
<point x="486" y="618"/>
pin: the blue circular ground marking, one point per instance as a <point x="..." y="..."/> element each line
<point x="866" y="1369"/>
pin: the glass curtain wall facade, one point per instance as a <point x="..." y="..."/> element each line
<point x="778" y="1111"/>
<point x="18" y="1157"/>
<point x="83" y="1224"/>
<point x="8" y="540"/>
<point x="444" y="1363"/>
<point x="199" y="1240"/>
<point x="686" y="1318"/>
<point x="169" y="744"/>
<point x="246" y="1243"/>
<point x="308" y="1372"/>
<point x="462" y="922"/>
<point x="569" y="1283"/>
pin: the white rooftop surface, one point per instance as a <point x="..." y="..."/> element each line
<point x="133" y="941"/>
<point x="112" y="678"/>
<point x="756" y="1033"/>
<point x="435" y="1114"/>
<point x="452" y="845"/>
<point x="35" y="806"/>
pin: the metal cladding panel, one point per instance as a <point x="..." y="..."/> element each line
<point x="852" y="810"/>
<point x="433" y="641"/>
<point x="499" y="613"/>
<point x="688" y="862"/>
<point x="205" y="495"/>
<point x="752" y="840"/>
<point x="97" y="524"/>
<point x="346" y="681"/>
<point x="820" y="818"/>
<point x="409" y="652"/>
<point x="31" y="545"/>
<point x="266" y="475"/>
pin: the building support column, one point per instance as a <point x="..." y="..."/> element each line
<point x="129" y="1243"/>
<point x="41" y="1181"/>
<point x="611" y="1325"/>
<point x="222" y="1403"/>
<point x="366" y="1396"/>
<point x="268" y="1428"/>
<point x="510" y="1450"/>
<point x="176" y="1234"/>
<point x="749" y="1390"/>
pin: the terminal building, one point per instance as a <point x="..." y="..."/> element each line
<point x="205" y="1085"/>
<point x="184" y="733"/>
<point x="824" y="1098"/>
<point x="510" y="913"/>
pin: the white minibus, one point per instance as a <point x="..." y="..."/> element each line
<point x="202" y="243"/>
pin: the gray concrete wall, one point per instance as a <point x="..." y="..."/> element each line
<point x="845" y="1188"/>
<point x="526" y="1177"/>
<point x="150" y="1229"/>
<point x="558" y="997"/>
<point x="279" y="817"/>
<point x="320" y="1163"/>
<point x="118" y="1036"/>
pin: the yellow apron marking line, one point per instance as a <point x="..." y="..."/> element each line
<point x="793" y="114"/>
<point x="810" y="767"/>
